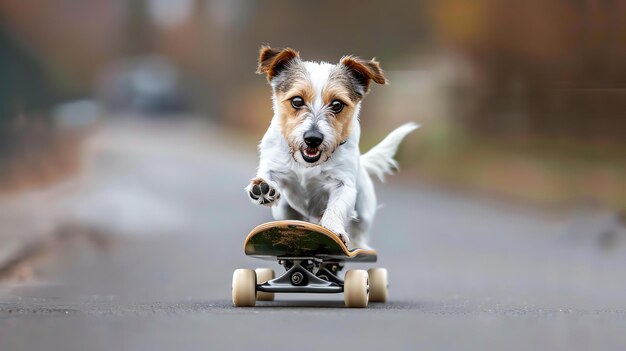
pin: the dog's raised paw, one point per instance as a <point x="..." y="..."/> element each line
<point x="262" y="192"/>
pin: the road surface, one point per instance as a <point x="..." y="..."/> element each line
<point x="465" y="273"/>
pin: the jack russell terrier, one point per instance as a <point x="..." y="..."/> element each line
<point x="310" y="167"/>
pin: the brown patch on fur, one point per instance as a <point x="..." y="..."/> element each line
<point x="363" y="71"/>
<point x="340" y="89"/>
<point x="256" y="181"/>
<point x="290" y="118"/>
<point x="272" y="61"/>
<point x="298" y="87"/>
<point x="292" y="74"/>
<point x="342" y="123"/>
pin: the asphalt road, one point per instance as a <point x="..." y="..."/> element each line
<point x="465" y="272"/>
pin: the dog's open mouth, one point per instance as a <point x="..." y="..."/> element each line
<point x="311" y="154"/>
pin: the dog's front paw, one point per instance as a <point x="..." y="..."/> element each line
<point x="262" y="192"/>
<point x="337" y="229"/>
<point x="344" y="238"/>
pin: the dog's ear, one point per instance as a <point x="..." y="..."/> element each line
<point x="363" y="71"/>
<point x="273" y="61"/>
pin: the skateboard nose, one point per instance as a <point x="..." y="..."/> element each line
<point x="313" y="138"/>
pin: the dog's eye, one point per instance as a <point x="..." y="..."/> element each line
<point x="336" y="106"/>
<point x="297" y="102"/>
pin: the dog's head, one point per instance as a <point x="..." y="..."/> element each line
<point x="316" y="102"/>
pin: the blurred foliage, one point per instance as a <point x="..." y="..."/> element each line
<point x="525" y="98"/>
<point x="551" y="171"/>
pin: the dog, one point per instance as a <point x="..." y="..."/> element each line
<point x="310" y="165"/>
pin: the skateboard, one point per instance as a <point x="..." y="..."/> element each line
<point x="313" y="258"/>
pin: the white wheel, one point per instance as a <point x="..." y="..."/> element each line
<point x="263" y="275"/>
<point x="244" y="288"/>
<point x="378" y="284"/>
<point x="355" y="288"/>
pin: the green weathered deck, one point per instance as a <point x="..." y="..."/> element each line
<point x="300" y="239"/>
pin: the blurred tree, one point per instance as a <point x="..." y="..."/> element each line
<point x="24" y="89"/>
<point x="548" y="67"/>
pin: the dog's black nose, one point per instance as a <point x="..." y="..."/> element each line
<point x="313" y="138"/>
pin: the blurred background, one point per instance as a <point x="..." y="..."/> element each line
<point x="128" y="130"/>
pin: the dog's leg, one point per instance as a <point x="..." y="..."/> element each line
<point x="360" y="228"/>
<point x="365" y="207"/>
<point x="263" y="189"/>
<point x="340" y="205"/>
<point x="284" y="211"/>
<point x="295" y="196"/>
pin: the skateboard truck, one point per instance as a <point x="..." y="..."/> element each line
<point x="298" y="279"/>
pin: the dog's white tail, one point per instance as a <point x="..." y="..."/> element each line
<point x="379" y="160"/>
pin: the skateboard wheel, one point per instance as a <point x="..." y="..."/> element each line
<point x="378" y="284"/>
<point x="262" y="276"/>
<point x="355" y="288"/>
<point x="244" y="288"/>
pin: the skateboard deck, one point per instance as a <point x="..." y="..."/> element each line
<point x="292" y="239"/>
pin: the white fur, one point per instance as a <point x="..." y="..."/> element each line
<point x="336" y="192"/>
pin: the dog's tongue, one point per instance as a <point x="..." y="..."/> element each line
<point x="311" y="152"/>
